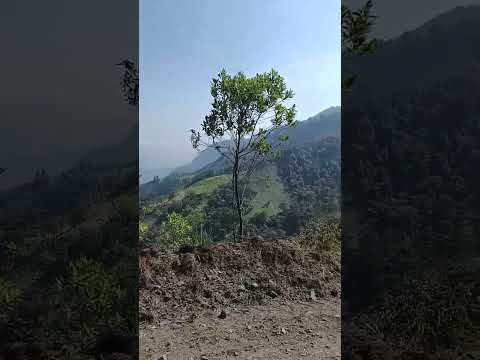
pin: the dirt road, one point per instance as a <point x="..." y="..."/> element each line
<point x="280" y="330"/>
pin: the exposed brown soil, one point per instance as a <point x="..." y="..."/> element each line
<point x="249" y="300"/>
<point x="275" y="331"/>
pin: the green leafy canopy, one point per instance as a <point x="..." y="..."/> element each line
<point x="247" y="107"/>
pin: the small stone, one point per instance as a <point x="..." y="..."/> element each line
<point x="223" y="314"/>
<point x="232" y="353"/>
<point x="272" y="294"/>
<point x="313" y="296"/>
<point x="283" y="331"/>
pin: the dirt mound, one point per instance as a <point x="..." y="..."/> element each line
<point x="176" y="285"/>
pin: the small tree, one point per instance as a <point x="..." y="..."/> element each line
<point x="356" y="26"/>
<point x="245" y="112"/>
<point x="129" y="82"/>
<point x="178" y="229"/>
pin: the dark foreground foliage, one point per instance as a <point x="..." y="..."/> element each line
<point x="69" y="269"/>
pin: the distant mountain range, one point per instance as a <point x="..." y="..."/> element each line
<point x="411" y="122"/>
<point x="147" y="175"/>
<point x="121" y="153"/>
<point x="283" y="193"/>
<point x="208" y="163"/>
<point x="442" y="48"/>
<point x="324" y="124"/>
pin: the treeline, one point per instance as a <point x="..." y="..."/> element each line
<point x="311" y="174"/>
<point x="410" y="180"/>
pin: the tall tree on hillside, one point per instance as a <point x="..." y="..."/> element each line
<point x="245" y="111"/>
<point x="129" y="82"/>
<point x="356" y="27"/>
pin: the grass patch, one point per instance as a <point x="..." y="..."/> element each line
<point x="270" y="192"/>
<point x="322" y="235"/>
<point x="208" y="185"/>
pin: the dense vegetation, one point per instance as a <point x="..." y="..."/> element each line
<point x="209" y="163"/>
<point x="68" y="255"/>
<point x="284" y="195"/>
<point x="60" y="283"/>
<point x="410" y="188"/>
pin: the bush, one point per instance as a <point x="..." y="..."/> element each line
<point x="427" y="312"/>
<point x="91" y="297"/>
<point x="142" y="230"/>
<point x="9" y="296"/>
<point x="321" y="235"/>
<point x="259" y="219"/>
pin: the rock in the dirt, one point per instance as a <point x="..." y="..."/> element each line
<point x="185" y="249"/>
<point x="186" y="263"/>
<point x="251" y="285"/>
<point x="223" y="314"/>
<point x="283" y="331"/>
<point x="144" y="316"/>
<point x="313" y="296"/>
<point x="272" y="293"/>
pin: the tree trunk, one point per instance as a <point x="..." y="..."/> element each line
<point x="234" y="226"/>
<point x="236" y="195"/>
<point x="239" y="210"/>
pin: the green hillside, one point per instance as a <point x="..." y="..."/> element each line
<point x="282" y="196"/>
<point x="270" y="192"/>
<point x="208" y="163"/>
<point x="204" y="187"/>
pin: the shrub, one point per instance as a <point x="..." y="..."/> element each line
<point x="142" y="230"/>
<point x="321" y="235"/>
<point x="9" y="296"/>
<point x="427" y="312"/>
<point x="90" y="296"/>
<point x="259" y="219"/>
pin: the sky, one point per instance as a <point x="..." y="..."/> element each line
<point x="60" y="84"/>
<point x="185" y="43"/>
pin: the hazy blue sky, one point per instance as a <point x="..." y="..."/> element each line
<point x="185" y="43"/>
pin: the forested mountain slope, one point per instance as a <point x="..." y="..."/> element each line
<point x="325" y="124"/>
<point x="409" y="180"/>
<point x="282" y="195"/>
